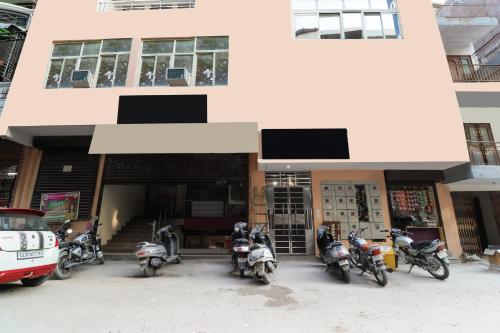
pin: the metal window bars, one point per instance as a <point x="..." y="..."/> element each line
<point x="462" y="11"/>
<point x="125" y="5"/>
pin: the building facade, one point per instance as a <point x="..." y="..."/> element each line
<point x="197" y="113"/>
<point x="470" y="33"/>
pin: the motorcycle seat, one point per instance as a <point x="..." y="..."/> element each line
<point x="336" y="243"/>
<point x="256" y="246"/>
<point x="420" y="245"/>
<point x="241" y="241"/>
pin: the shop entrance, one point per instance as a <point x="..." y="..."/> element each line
<point x="290" y="212"/>
<point x="9" y="161"/>
<point x="204" y="195"/>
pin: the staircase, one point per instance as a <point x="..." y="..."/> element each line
<point x="123" y="245"/>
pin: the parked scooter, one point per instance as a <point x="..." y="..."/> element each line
<point x="428" y="255"/>
<point x="164" y="250"/>
<point x="84" y="249"/>
<point x="241" y="248"/>
<point x="367" y="258"/>
<point x="334" y="254"/>
<point x="262" y="258"/>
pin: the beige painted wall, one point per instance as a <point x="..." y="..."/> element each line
<point x="119" y="204"/>
<point x="395" y="96"/>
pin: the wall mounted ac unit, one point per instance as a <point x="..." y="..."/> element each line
<point x="178" y="77"/>
<point x="81" y="79"/>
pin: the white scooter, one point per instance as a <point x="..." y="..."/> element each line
<point x="262" y="259"/>
<point x="164" y="250"/>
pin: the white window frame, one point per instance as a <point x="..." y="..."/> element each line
<point x="79" y="59"/>
<point x="317" y="12"/>
<point x="172" y="55"/>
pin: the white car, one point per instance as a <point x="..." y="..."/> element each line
<point x="28" y="250"/>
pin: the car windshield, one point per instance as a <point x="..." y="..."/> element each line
<point x="22" y="222"/>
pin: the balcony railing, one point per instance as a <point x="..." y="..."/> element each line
<point x="462" y="11"/>
<point x="475" y="73"/>
<point x="118" y="5"/>
<point x="4" y="90"/>
<point x="484" y="152"/>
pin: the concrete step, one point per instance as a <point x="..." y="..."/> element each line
<point x="127" y="244"/>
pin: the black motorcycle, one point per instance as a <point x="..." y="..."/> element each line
<point x="333" y="254"/>
<point x="84" y="249"/>
<point x="367" y="258"/>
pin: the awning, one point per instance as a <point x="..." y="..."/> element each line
<point x="175" y="138"/>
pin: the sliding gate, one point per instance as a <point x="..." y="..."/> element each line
<point x="290" y="213"/>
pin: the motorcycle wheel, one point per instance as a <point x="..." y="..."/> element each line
<point x="61" y="272"/>
<point x="149" y="271"/>
<point x="101" y="261"/>
<point x="266" y="279"/>
<point x="346" y="275"/>
<point x="242" y="273"/>
<point x="354" y="258"/>
<point x="380" y="276"/>
<point x="439" y="268"/>
<point x="34" y="282"/>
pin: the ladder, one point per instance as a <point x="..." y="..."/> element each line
<point x="260" y="215"/>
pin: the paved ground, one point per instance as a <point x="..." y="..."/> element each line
<point x="201" y="296"/>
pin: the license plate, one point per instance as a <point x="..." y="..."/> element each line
<point x="241" y="260"/>
<point x="343" y="262"/>
<point x="442" y="254"/>
<point x="29" y="254"/>
<point x="378" y="257"/>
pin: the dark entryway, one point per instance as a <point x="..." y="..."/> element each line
<point x="203" y="194"/>
<point x="10" y="156"/>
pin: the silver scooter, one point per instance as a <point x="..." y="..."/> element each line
<point x="261" y="259"/>
<point x="164" y="250"/>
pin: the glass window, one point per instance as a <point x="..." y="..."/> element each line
<point x="67" y="50"/>
<point x="184" y="61"/>
<point x="68" y="68"/>
<point x="89" y="64"/>
<point x="329" y="26"/>
<point x="54" y="74"/>
<point x="212" y="43"/>
<point x="373" y="26"/>
<point x="147" y="72"/>
<point x="22" y="222"/>
<point x="221" y="68"/>
<point x="353" y="25"/>
<point x="158" y="46"/>
<point x="204" y="70"/>
<point x="330" y="4"/>
<point x="391" y="25"/>
<point x="304" y="4"/>
<point x="306" y="26"/>
<point x="184" y="46"/>
<point x="356" y="4"/>
<point x="211" y="63"/>
<point x="67" y="57"/>
<point x="116" y="45"/>
<point x="106" y="71"/>
<point x="346" y="19"/>
<point x="91" y="48"/>
<point x="162" y="64"/>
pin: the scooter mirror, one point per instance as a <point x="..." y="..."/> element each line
<point x="69" y="231"/>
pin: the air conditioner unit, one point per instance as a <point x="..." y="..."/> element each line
<point x="81" y="79"/>
<point x="178" y="76"/>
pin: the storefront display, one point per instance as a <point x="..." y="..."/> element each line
<point x="350" y="206"/>
<point x="413" y="205"/>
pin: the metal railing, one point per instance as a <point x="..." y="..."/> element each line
<point x="462" y="11"/>
<point x="484" y="152"/>
<point x="475" y="73"/>
<point x="4" y="90"/>
<point x="119" y="5"/>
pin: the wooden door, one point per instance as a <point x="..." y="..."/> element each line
<point x="482" y="146"/>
